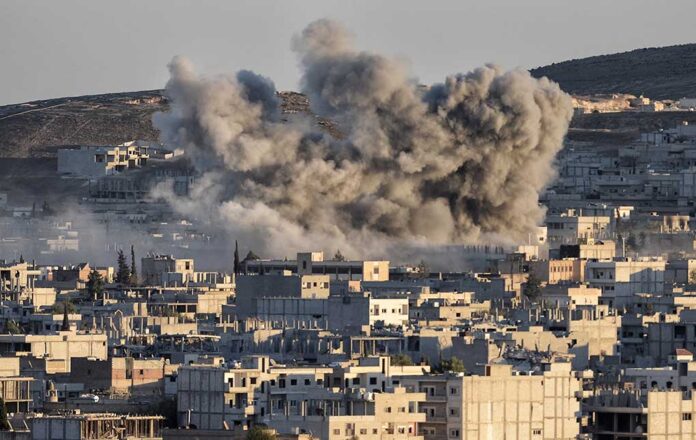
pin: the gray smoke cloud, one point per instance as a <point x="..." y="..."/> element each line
<point x="456" y="162"/>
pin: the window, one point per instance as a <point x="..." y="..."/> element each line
<point x="363" y="431"/>
<point x="293" y="382"/>
<point x="454" y="433"/>
<point x="536" y="432"/>
<point x="453" y="391"/>
<point x="336" y="431"/>
<point x="686" y="416"/>
<point x="373" y="381"/>
<point x="252" y="380"/>
<point x="307" y="381"/>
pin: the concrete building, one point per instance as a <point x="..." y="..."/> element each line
<point x="308" y="263"/>
<point x="94" y="427"/>
<point x="568" y="228"/>
<point x="121" y="375"/>
<point x="92" y="162"/>
<point x="501" y="404"/>
<point x="157" y="269"/>
<point x="559" y="271"/>
<point x="620" y="280"/>
<point x="60" y="347"/>
<point x="589" y="250"/>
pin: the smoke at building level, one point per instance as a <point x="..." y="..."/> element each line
<point x="456" y="162"/>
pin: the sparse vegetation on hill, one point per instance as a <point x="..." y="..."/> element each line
<point x="656" y="72"/>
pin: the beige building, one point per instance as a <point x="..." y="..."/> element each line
<point x="558" y="271"/>
<point x="396" y="416"/>
<point x="59" y="347"/>
<point x="156" y="269"/>
<point x="503" y="405"/>
<point x="308" y="263"/>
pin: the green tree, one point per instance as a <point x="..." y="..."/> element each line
<point x="237" y="268"/>
<point x="4" y="424"/>
<point x="532" y="288"/>
<point x="95" y="285"/>
<point x="47" y="211"/>
<point x="453" y="364"/>
<point x="12" y="327"/>
<point x="59" y="307"/>
<point x="339" y="256"/>
<point x="423" y="269"/>
<point x="122" y="269"/>
<point x="133" y="271"/>
<point x="401" y="360"/>
<point x="632" y="243"/>
<point x="692" y="277"/>
<point x="261" y="433"/>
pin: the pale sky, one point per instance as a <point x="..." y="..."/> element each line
<point x="65" y="48"/>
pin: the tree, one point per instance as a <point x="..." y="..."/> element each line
<point x="339" y="256"/>
<point x="133" y="272"/>
<point x="401" y="360"/>
<point x="46" y="210"/>
<point x="532" y="288"/>
<point x="12" y="327"/>
<point x="261" y="433"/>
<point x="4" y="424"/>
<point x="66" y="320"/>
<point x="453" y="364"/>
<point x="631" y="243"/>
<point x="95" y="285"/>
<point x="236" y="258"/>
<point x="251" y="256"/>
<point x="423" y="269"/>
<point x="692" y="277"/>
<point x="59" y="307"/>
<point x="122" y="269"/>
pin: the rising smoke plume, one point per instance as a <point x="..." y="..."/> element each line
<point x="456" y="162"/>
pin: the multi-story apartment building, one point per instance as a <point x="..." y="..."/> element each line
<point x="620" y="280"/>
<point x="502" y="403"/>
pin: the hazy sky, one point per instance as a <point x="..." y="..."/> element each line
<point x="65" y="48"/>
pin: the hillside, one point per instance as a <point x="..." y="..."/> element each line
<point x="656" y="72"/>
<point x="36" y="129"/>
